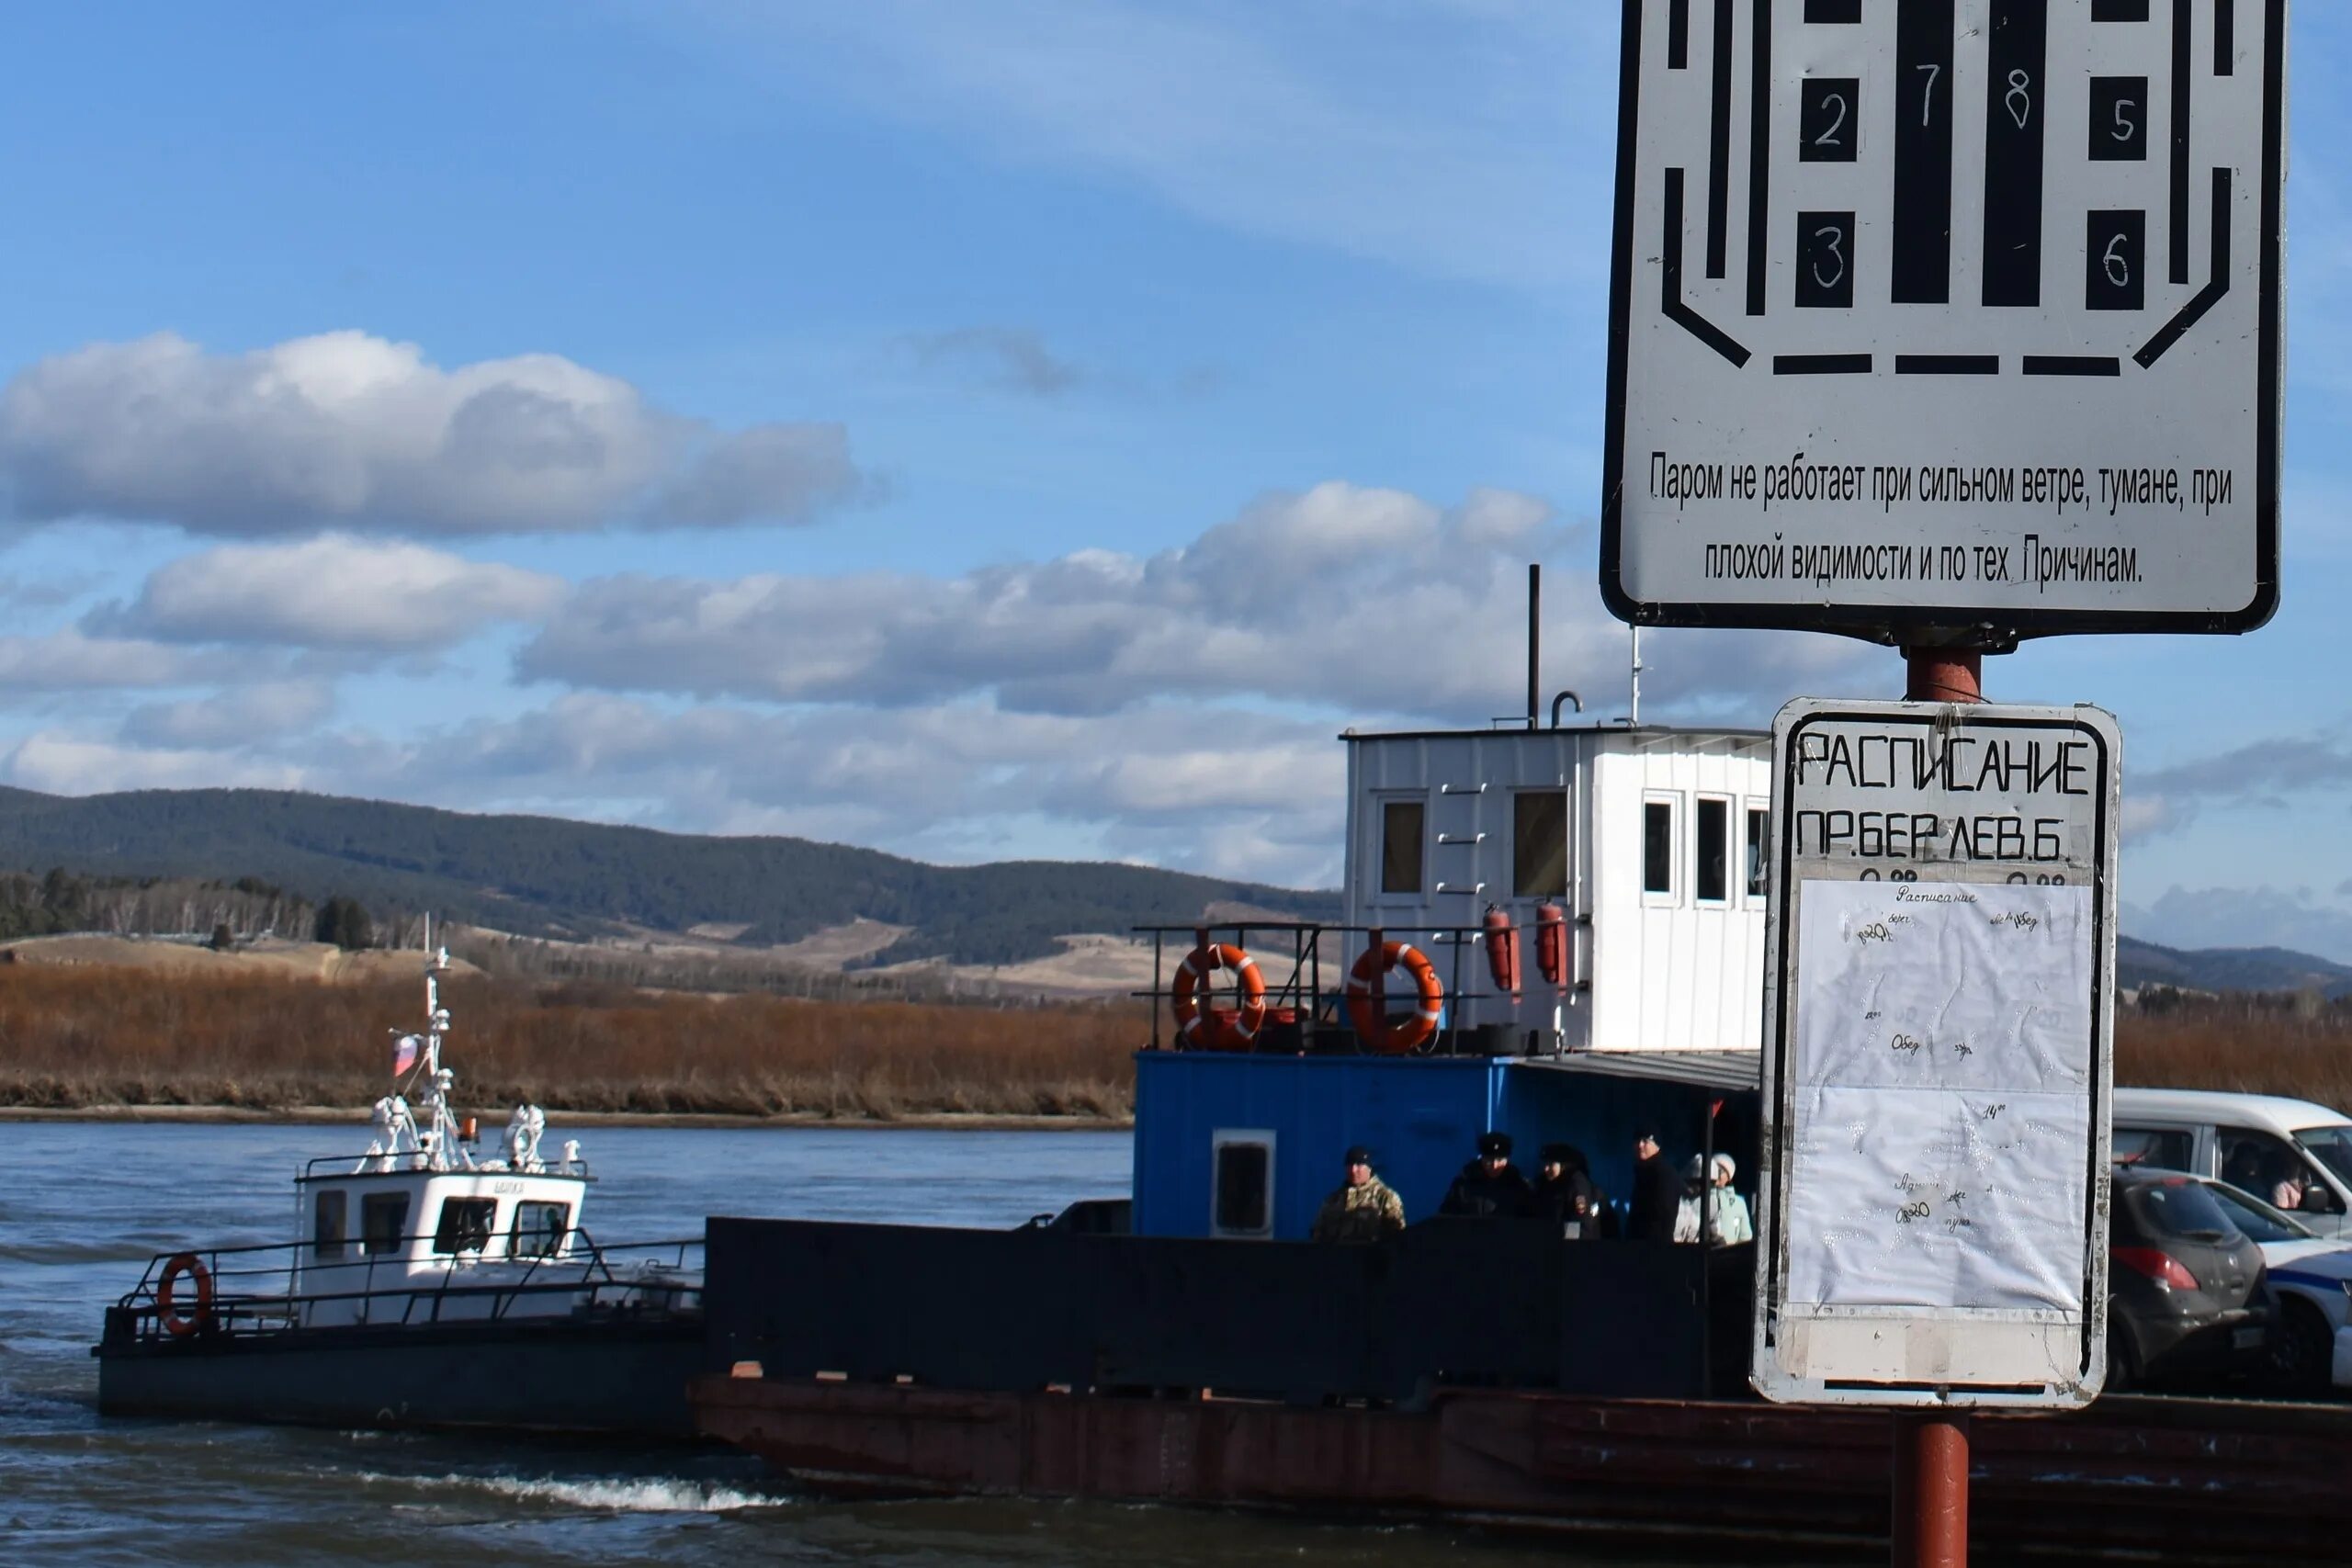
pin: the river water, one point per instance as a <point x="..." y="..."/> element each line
<point x="84" y="1206"/>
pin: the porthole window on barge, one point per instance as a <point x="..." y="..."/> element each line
<point x="1401" y="826"/>
<point x="1241" y="1185"/>
<point x="1539" y="843"/>
<point x="465" y="1224"/>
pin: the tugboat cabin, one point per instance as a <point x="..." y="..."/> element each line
<point x="1572" y="924"/>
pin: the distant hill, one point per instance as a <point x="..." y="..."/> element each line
<point x="544" y="876"/>
<point x="2139" y="963"/>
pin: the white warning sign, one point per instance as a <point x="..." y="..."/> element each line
<point x="1947" y="313"/>
<point x="1939" y="1021"/>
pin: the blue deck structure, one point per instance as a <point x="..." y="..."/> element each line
<point x="1285" y="1121"/>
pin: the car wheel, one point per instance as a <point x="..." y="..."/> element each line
<point x="2303" y="1351"/>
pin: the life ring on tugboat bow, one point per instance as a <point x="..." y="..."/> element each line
<point x="198" y="1317"/>
<point x="1408" y="1033"/>
<point x="1187" y="996"/>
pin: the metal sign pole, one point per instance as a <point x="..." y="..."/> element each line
<point x="1932" y="1447"/>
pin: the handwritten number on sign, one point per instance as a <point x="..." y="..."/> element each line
<point x="1834" y="239"/>
<point x="2119" y="270"/>
<point x="2019" y="100"/>
<point x="1829" y="138"/>
<point x="1927" y="90"/>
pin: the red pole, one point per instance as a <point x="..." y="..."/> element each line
<point x="1932" y="1447"/>
<point x="1930" y="1490"/>
<point x="1943" y="675"/>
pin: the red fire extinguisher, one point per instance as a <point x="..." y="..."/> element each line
<point x="1502" y="950"/>
<point x="1552" y="943"/>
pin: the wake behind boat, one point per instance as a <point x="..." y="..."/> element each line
<point x="424" y="1287"/>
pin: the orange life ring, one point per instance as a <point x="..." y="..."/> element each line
<point x="1410" y="1034"/>
<point x="196" y="1319"/>
<point x="1235" y="1033"/>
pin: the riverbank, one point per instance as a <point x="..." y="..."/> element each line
<point x="135" y="1045"/>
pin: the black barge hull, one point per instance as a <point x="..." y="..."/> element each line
<point x="613" y="1378"/>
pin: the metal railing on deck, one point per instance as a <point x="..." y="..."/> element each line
<point x="252" y="1289"/>
<point x="1321" y="1015"/>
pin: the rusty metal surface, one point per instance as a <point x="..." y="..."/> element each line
<point x="2189" y="1480"/>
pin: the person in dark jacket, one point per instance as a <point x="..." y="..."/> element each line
<point x="1490" y="1186"/>
<point x="1565" y="1193"/>
<point x="1658" y="1192"/>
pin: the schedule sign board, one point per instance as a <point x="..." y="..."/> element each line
<point x="1939" y="1022"/>
<point x="1947" y="313"/>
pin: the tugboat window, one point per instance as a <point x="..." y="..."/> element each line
<point x="465" y="1224"/>
<point x="383" y="1221"/>
<point x="327" y="1214"/>
<point x="1657" y="847"/>
<point x="1539" y="843"/>
<point x="1242" y="1196"/>
<point x="1756" y="823"/>
<point x="1400" y="845"/>
<point x="539" y="1229"/>
<point x="1711" y="878"/>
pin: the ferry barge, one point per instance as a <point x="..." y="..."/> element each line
<point x="1192" y="1345"/>
<point x="424" y="1287"/>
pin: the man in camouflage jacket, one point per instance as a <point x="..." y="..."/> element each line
<point x="1364" y="1210"/>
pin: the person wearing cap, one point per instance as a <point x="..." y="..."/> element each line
<point x="1565" y="1193"/>
<point x="1658" y="1194"/>
<point x="1733" y="1224"/>
<point x="1365" y="1209"/>
<point x="1725" y="1212"/>
<point x="1490" y="1186"/>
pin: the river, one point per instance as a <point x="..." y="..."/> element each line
<point x="82" y="1206"/>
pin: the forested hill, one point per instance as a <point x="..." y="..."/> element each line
<point x="544" y="876"/>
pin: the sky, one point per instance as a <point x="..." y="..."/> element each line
<point x="973" y="431"/>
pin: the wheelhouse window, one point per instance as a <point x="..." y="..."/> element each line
<point x="383" y="1221"/>
<point x="1759" y="828"/>
<point x="1658" y="848"/>
<point x="539" y="1229"/>
<point x="1539" y="843"/>
<point x="329" y="1208"/>
<point x="1401" y="826"/>
<point x="1711" y="872"/>
<point x="464" y="1224"/>
<point x="1241" y="1184"/>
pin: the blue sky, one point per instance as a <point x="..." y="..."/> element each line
<point x="970" y="430"/>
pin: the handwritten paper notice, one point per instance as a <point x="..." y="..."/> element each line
<point x="1942" y="1068"/>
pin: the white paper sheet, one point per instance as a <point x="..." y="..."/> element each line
<point x="1943" y="1064"/>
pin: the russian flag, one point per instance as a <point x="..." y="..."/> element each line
<point x="405" y="1052"/>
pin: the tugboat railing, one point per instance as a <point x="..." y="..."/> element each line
<point x="252" y="1289"/>
<point x="1303" y="990"/>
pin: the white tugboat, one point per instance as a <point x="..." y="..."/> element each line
<point x="424" y="1286"/>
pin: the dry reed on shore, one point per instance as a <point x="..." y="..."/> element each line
<point x="2256" y="1045"/>
<point x="73" y="1038"/>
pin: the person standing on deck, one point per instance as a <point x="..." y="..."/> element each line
<point x="1564" y="1192"/>
<point x="1656" y="1193"/>
<point x="1490" y="1186"/>
<point x="1365" y="1209"/>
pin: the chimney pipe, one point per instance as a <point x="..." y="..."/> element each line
<point x="1535" y="640"/>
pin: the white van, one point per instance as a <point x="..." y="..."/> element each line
<point x="2274" y="1148"/>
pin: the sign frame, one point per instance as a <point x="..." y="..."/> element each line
<point x="1840" y="1367"/>
<point x="1983" y="625"/>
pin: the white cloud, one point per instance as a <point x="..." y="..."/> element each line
<point x="346" y="428"/>
<point x="333" y="591"/>
<point x="70" y="660"/>
<point x="244" y="715"/>
<point x="60" y="763"/>
<point x="1366" y="601"/>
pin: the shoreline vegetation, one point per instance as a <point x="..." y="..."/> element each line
<point x="90" y="1042"/>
